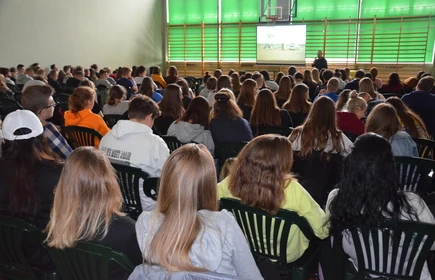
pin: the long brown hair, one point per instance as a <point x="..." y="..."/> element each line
<point x="285" y="88"/>
<point x="407" y="116"/>
<point x="265" y="111"/>
<point x="187" y="185"/>
<point x="116" y="94"/>
<point x="147" y="87"/>
<point x="171" y="104"/>
<point x="247" y="93"/>
<point x="225" y="106"/>
<point x="84" y="205"/>
<point x="366" y="85"/>
<point x="81" y="95"/>
<point x="319" y="126"/>
<point x="235" y="81"/>
<point x="383" y="120"/>
<point x="259" y="174"/>
<point x="197" y="113"/>
<point x="172" y="74"/>
<point x="298" y="100"/>
<point x="342" y="99"/>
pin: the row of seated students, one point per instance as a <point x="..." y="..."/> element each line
<point x="320" y="126"/>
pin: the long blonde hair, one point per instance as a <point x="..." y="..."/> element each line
<point x="188" y="184"/>
<point x="85" y="200"/>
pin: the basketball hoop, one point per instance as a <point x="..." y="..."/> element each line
<point x="271" y="19"/>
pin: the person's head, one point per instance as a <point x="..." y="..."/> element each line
<point x="185" y="90"/>
<point x="410" y="83"/>
<point x="20" y="68"/>
<point x="248" y="92"/>
<point x="393" y="79"/>
<point x="420" y="75"/>
<point x="117" y="93"/>
<point x="278" y="77"/>
<point x="425" y="84"/>
<point x="383" y="120"/>
<point x="95" y="67"/>
<point x="5" y="71"/>
<point x="235" y="81"/>
<point x="332" y="85"/>
<point x="298" y="100"/>
<point x="39" y="100"/>
<point x="87" y="83"/>
<point x="29" y="71"/>
<point x="259" y="79"/>
<point x="298" y="76"/>
<point x="326" y="75"/>
<point x="291" y="70"/>
<point x="344" y="76"/>
<point x="342" y="99"/>
<point x="197" y="112"/>
<point x="147" y="87"/>
<point x="356" y="105"/>
<point x="359" y="74"/>
<point x="319" y="128"/>
<point x="366" y="85"/>
<point x="173" y="72"/>
<point x="224" y="106"/>
<point x="307" y="76"/>
<point x="67" y="69"/>
<point x="319" y="54"/>
<point x="368" y="75"/>
<point x="141" y="71"/>
<point x="156" y="70"/>
<point x="217" y="73"/>
<point x="206" y="77"/>
<point x="13" y="72"/>
<point x="265" y="74"/>
<point x="231" y="72"/>
<point x="265" y="111"/>
<point x="374" y="72"/>
<point x="187" y="185"/>
<point x="103" y="74"/>
<point x="224" y="81"/>
<point x="81" y="99"/>
<point x="53" y="75"/>
<point x="23" y="147"/>
<point x="171" y="105"/>
<point x="211" y="83"/>
<point x="227" y="168"/>
<point x="126" y="72"/>
<point x="54" y="67"/>
<point x="284" y="89"/>
<point x="316" y="75"/>
<point x="84" y="205"/>
<point x="260" y="174"/>
<point x="365" y="96"/>
<point x="369" y="182"/>
<point x="408" y="118"/>
<point x="78" y="75"/>
<point x="143" y="109"/>
<point x="337" y="73"/>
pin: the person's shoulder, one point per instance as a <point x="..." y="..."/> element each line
<point x="402" y="135"/>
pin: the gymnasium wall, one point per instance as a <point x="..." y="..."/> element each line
<point x="81" y="32"/>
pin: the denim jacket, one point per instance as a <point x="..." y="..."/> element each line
<point x="402" y="145"/>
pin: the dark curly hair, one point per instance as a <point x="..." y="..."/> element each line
<point x="369" y="189"/>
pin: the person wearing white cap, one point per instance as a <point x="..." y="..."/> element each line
<point x="29" y="170"/>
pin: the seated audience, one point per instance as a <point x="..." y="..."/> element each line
<point x="267" y="81"/>
<point x="261" y="178"/>
<point x="311" y="84"/>
<point x="338" y="75"/>
<point x="186" y="224"/>
<point x="103" y="80"/>
<point x="194" y="124"/>
<point x="383" y="120"/>
<point x="116" y="103"/>
<point x="298" y="105"/>
<point x="52" y="81"/>
<point x="141" y="72"/>
<point x="393" y="84"/>
<point x="223" y="81"/>
<point x="286" y="85"/>
<point x="331" y="90"/>
<point x="7" y="75"/>
<point x="186" y="92"/>
<point x="88" y="208"/>
<point x="23" y="77"/>
<point x="204" y="82"/>
<point x="227" y="124"/>
<point x="325" y="75"/>
<point x="343" y="97"/>
<point x="4" y="90"/>
<point x="376" y="80"/>
<point x="157" y="76"/>
<point x="126" y="80"/>
<point x="410" y="84"/>
<point x="135" y="138"/>
<point x="39" y="100"/>
<point x="360" y="202"/>
<point x="171" y="108"/>
<point x="354" y="84"/>
<point x="350" y="121"/>
<point x="210" y="86"/>
<point x="371" y="102"/>
<point x="235" y="82"/>
<point x="410" y="121"/>
<point x="316" y="76"/>
<point x="79" y="114"/>
<point x="147" y="88"/>
<point x="278" y="77"/>
<point x="366" y="85"/>
<point x="246" y="98"/>
<point x="267" y="113"/>
<point x="96" y="109"/>
<point x="172" y="75"/>
<point x="75" y="80"/>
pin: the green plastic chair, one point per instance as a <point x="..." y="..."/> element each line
<point x="416" y="174"/>
<point x="426" y="148"/>
<point x="129" y="180"/>
<point x="373" y="244"/>
<point x="280" y="130"/>
<point x="225" y="150"/>
<point x="13" y="262"/>
<point x="78" y="136"/>
<point x="111" y="120"/>
<point x="270" y="242"/>
<point x="88" y="261"/>
<point x="172" y="142"/>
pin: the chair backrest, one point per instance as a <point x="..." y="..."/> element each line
<point x="129" y="180"/>
<point x="280" y="130"/>
<point x="416" y="174"/>
<point x="426" y="148"/>
<point x="379" y="253"/>
<point x="7" y="106"/>
<point x="111" y="120"/>
<point x="78" y="136"/>
<point x="13" y="262"/>
<point x="172" y="142"/>
<point x="352" y="137"/>
<point x="87" y="261"/>
<point x="267" y="235"/>
<point x="225" y="150"/>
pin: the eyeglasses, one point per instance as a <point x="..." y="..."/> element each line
<point x="46" y="107"/>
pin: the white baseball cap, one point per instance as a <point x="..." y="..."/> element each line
<point x="21" y="119"/>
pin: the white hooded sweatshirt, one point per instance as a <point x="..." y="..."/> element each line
<point x="135" y="143"/>
<point x="187" y="132"/>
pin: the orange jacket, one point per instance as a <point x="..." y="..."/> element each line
<point x="159" y="78"/>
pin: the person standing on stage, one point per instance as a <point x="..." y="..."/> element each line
<point x="320" y="62"/>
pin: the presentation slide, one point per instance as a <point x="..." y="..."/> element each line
<point x="281" y="44"/>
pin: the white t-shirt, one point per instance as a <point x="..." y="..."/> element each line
<point x="347" y="144"/>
